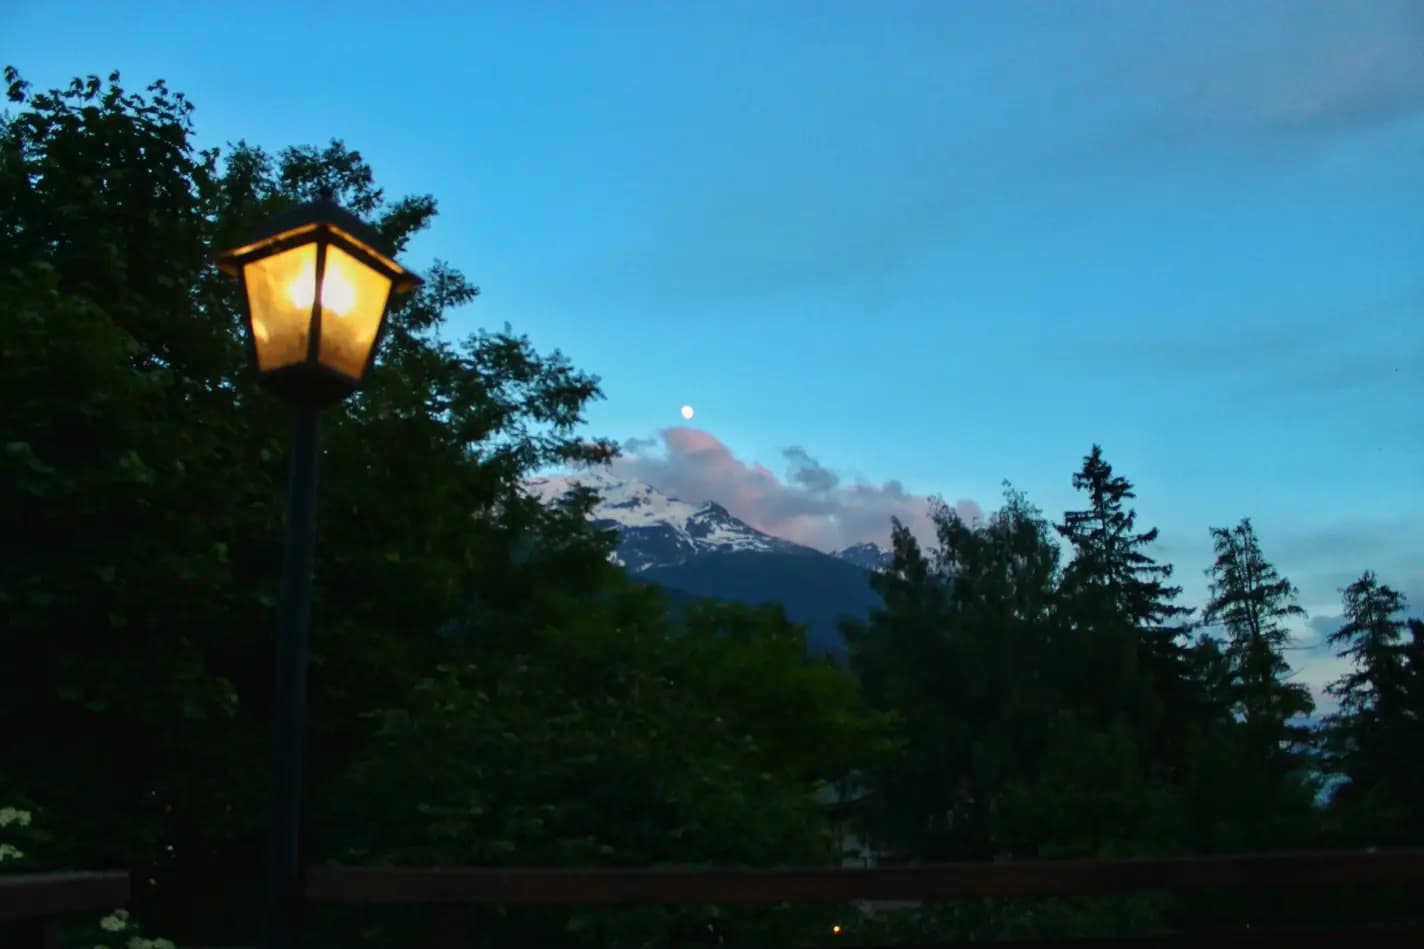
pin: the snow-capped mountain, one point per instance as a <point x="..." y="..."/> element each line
<point x="657" y="530"/>
<point x="696" y="550"/>
<point x="867" y="556"/>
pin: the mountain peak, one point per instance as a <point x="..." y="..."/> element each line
<point x="703" y="550"/>
<point x="655" y="529"/>
<point x="867" y="555"/>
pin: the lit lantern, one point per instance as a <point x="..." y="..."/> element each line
<point x="317" y="283"/>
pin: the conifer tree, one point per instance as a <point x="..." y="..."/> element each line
<point x="1253" y="602"/>
<point x="1110" y="565"/>
<point x="1371" y="638"/>
<point x="1372" y="741"/>
<point x="1120" y="610"/>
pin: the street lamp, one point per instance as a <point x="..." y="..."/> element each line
<point x="317" y="283"/>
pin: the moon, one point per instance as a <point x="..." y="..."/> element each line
<point x="687" y="412"/>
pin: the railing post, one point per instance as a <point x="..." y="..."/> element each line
<point x="450" y="927"/>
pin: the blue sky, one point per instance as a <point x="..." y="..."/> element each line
<point x="939" y="244"/>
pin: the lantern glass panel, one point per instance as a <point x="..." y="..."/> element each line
<point x="280" y="289"/>
<point x="353" y="300"/>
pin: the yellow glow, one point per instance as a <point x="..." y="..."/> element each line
<point x="353" y="300"/>
<point x="281" y="326"/>
<point x="280" y="293"/>
<point x="337" y="294"/>
<point x="836" y="930"/>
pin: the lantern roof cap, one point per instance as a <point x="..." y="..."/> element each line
<point x="322" y="214"/>
<point x="326" y="211"/>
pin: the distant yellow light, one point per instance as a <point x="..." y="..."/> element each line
<point x="836" y="929"/>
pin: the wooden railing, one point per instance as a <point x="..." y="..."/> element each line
<point x="31" y="903"/>
<point x="452" y="891"/>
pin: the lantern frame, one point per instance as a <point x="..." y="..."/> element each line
<point x="325" y="224"/>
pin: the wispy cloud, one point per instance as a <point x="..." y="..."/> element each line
<point x="1277" y="353"/>
<point x="808" y="473"/>
<point x="824" y="169"/>
<point x="793" y="226"/>
<point x="1385" y="324"/>
<point x="811" y="505"/>
<point x="1284" y="71"/>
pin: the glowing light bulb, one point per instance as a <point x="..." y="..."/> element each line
<point x="338" y="294"/>
<point x="302" y="290"/>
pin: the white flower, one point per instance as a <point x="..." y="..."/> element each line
<point x="13" y="815"/>
<point x="113" y="923"/>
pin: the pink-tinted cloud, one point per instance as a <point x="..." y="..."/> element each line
<point x="810" y="506"/>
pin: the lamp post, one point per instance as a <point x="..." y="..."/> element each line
<point x="317" y="283"/>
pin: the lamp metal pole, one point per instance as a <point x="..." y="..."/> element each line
<point x="282" y="898"/>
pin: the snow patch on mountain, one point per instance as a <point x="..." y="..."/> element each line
<point x="656" y="530"/>
<point x="866" y="555"/>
